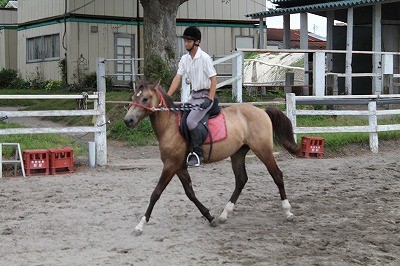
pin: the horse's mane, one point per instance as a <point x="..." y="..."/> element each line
<point x="168" y="100"/>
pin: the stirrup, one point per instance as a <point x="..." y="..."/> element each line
<point x="192" y="162"/>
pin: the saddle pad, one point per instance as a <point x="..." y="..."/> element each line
<point x="217" y="129"/>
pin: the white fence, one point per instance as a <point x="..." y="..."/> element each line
<point x="99" y="127"/>
<point x="372" y="113"/>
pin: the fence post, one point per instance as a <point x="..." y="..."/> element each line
<point x="373" y="127"/>
<point x="289" y="81"/>
<point x="291" y="111"/>
<point x="387" y="73"/>
<point x="100" y="138"/>
<point x="101" y="74"/>
<point x="237" y="72"/>
<point x="319" y="73"/>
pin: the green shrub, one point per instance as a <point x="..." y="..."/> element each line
<point x="7" y="76"/>
<point x="52" y="85"/>
<point x="19" y="84"/>
<point x="90" y="81"/>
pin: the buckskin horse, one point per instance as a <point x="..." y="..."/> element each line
<point x="247" y="127"/>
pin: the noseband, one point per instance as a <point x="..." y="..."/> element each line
<point x="161" y="104"/>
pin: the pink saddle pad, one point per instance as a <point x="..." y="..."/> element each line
<point x="217" y="129"/>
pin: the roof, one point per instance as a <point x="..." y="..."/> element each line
<point x="315" y="41"/>
<point x="314" y="7"/>
<point x="12" y="4"/>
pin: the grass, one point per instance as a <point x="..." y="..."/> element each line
<point x="36" y="141"/>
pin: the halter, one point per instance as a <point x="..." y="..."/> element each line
<point x="161" y="104"/>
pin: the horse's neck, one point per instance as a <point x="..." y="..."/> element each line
<point x="164" y="124"/>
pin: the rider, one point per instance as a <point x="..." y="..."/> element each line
<point x="202" y="80"/>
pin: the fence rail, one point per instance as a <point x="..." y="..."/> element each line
<point x="372" y="113"/>
<point x="99" y="127"/>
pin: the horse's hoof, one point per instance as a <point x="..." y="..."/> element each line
<point x="290" y="218"/>
<point x="222" y="220"/>
<point x="138" y="232"/>
<point x="214" y="222"/>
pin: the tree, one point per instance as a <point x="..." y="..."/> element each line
<point x="3" y="3"/>
<point x="160" y="38"/>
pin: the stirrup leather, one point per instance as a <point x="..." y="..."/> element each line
<point x="197" y="159"/>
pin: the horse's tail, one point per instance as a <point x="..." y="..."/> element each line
<point x="283" y="130"/>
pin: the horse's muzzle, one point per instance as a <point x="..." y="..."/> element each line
<point x="130" y="122"/>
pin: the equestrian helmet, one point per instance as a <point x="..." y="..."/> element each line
<point x="192" y="33"/>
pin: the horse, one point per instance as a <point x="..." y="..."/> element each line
<point x="248" y="128"/>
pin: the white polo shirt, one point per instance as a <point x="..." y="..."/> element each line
<point x="199" y="70"/>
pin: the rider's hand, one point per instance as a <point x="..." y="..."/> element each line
<point x="207" y="102"/>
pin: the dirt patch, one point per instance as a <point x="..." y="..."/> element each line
<point x="347" y="211"/>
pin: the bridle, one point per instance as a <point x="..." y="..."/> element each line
<point x="161" y="104"/>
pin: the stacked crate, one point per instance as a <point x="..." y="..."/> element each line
<point x="61" y="161"/>
<point x="51" y="161"/>
<point x="36" y="162"/>
<point x="312" y="147"/>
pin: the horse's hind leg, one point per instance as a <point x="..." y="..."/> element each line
<point x="239" y="169"/>
<point x="269" y="161"/>
<point x="184" y="177"/>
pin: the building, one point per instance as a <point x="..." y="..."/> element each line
<point x="8" y="38"/>
<point x="370" y="25"/>
<point x="53" y="34"/>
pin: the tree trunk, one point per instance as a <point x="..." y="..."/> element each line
<point x="160" y="33"/>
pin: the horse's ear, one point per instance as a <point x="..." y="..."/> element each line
<point x="157" y="83"/>
<point x="138" y="81"/>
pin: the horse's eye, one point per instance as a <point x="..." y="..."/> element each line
<point x="145" y="100"/>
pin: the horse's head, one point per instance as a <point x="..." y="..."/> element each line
<point x="146" y="100"/>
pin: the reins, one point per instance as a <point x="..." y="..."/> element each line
<point x="163" y="107"/>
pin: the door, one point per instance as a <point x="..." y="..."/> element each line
<point x="123" y="50"/>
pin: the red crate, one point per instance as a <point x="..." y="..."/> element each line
<point x="312" y="147"/>
<point x="61" y="161"/>
<point x="36" y="162"/>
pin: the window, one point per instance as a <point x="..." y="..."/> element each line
<point x="43" y="48"/>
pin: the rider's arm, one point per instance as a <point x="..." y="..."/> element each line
<point x="175" y="84"/>
<point x="213" y="87"/>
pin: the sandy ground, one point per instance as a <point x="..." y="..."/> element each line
<point x="347" y="211"/>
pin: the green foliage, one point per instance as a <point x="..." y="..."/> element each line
<point x="155" y="69"/>
<point x="7" y="76"/>
<point x="52" y="85"/>
<point x="3" y="3"/>
<point x="90" y="81"/>
<point x="62" y="65"/>
<point x="250" y="55"/>
<point x="142" y="135"/>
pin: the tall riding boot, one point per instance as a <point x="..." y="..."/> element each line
<point x="196" y="156"/>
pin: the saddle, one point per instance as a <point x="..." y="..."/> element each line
<point x="213" y="125"/>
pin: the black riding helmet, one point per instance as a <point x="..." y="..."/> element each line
<point x="192" y="33"/>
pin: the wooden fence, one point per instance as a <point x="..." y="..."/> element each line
<point x="98" y="112"/>
<point x="292" y="101"/>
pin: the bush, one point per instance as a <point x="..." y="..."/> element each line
<point x="91" y="81"/>
<point x="19" y="84"/>
<point x="52" y="85"/>
<point x="7" y="76"/>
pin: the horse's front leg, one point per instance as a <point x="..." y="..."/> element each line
<point x="184" y="177"/>
<point x="166" y="176"/>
